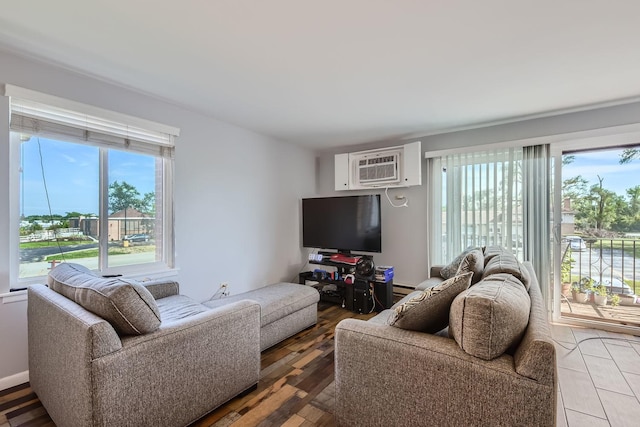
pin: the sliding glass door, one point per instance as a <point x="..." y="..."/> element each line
<point x="597" y="235"/>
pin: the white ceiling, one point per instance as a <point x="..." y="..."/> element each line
<point x="337" y="72"/>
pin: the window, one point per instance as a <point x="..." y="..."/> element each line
<point x="479" y="201"/>
<point x="90" y="189"/>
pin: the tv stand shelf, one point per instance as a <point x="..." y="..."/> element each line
<point x="362" y="296"/>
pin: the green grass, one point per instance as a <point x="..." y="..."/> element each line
<point x="48" y="244"/>
<point x="93" y="253"/>
<point x="617" y="244"/>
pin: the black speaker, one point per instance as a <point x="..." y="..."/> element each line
<point x="362" y="298"/>
<point x="384" y="295"/>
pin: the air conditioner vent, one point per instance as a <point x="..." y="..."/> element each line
<point x="383" y="167"/>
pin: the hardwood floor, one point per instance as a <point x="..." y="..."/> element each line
<point x="295" y="388"/>
<point x="296" y="381"/>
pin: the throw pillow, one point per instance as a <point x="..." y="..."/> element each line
<point x="472" y="262"/>
<point x="429" y="310"/>
<point x="127" y="305"/>
<point x="490" y="317"/>
<point x="450" y="270"/>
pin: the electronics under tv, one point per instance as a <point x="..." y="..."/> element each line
<point x="351" y="223"/>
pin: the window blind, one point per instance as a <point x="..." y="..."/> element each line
<point x="482" y="193"/>
<point x="38" y="118"/>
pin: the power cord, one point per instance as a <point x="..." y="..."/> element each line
<point x="46" y="192"/>
<point x="403" y="205"/>
<point x="295" y="279"/>
<point x="587" y="339"/>
<point x="373" y="298"/>
<point x="221" y="292"/>
<point x="376" y="298"/>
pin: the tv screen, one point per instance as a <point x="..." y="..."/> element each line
<point x="351" y="223"/>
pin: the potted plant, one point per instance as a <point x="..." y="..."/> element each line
<point x="628" y="299"/>
<point x="615" y="300"/>
<point x="579" y="293"/>
<point x="600" y="297"/>
<point x="575" y="290"/>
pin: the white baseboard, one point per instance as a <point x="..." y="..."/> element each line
<point x="14" y="380"/>
<point x="404" y="285"/>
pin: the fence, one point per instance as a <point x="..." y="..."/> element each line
<point x="60" y="233"/>
<point x="614" y="263"/>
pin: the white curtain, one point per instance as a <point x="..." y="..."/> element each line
<point x="537" y="212"/>
<point x="479" y="201"/>
<point x="498" y="197"/>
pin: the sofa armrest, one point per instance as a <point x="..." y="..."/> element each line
<point x="536" y="350"/>
<point x="434" y="271"/>
<point x="204" y="360"/>
<point x="413" y="376"/>
<point x="63" y="338"/>
<point x="162" y="288"/>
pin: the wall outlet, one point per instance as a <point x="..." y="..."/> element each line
<point x="224" y="286"/>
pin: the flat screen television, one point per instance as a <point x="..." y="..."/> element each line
<point x="351" y="223"/>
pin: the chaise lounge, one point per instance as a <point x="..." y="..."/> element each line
<point x="115" y="352"/>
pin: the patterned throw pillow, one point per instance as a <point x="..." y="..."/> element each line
<point x="450" y="270"/>
<point x="472" y="262"/>
<point x="429" y="311"/>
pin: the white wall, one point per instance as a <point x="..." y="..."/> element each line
<point x="237" y="195"/>
<point x="404" y="230"/>
<point x="404" y="238"/>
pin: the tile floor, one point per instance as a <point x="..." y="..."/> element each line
<point x="600" y="380"/>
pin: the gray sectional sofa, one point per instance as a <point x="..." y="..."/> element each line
<point x="487" y="368"/>
<point x="116" y="352"/>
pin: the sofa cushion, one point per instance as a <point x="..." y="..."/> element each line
<point x="126" y="304"/>
<point x="276" y="301"/>
<point x="429" y="310"/>
<point x="472" y="262"/>
<point x="429" y="283"/>
<point x="176" y="307"/>
<point x="507" y="263"/>
<point x="490" y="317"/>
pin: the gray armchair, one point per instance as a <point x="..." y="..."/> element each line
<point x="86" y="374"/>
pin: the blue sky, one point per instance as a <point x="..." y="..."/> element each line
<point x="71" y="172"/>
<point x="617" y="177"/>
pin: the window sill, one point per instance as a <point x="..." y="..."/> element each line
<point x="11" y="297"/>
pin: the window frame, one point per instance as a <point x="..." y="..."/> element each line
<point x="165" y="266"/>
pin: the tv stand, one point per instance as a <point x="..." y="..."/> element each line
<point x="361" y="296"/>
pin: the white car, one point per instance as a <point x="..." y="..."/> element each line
<point x="576" y="243"/>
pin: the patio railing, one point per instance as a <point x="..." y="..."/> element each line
<point x="614" y="263"/>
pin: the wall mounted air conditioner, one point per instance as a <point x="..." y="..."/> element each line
<point x="384" y="167"/>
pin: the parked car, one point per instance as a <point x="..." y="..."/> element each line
<point x="576" y="243"/>
<point x="616" y="286"/>
<point x="137" y="238"/>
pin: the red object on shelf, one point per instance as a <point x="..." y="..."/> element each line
<point x="345" y="259"/>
